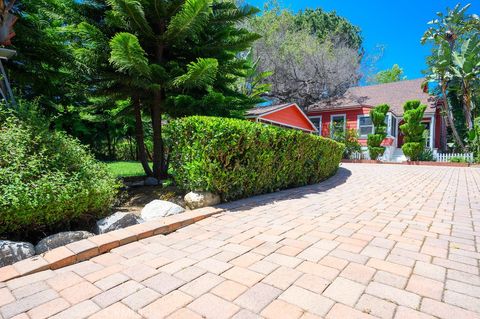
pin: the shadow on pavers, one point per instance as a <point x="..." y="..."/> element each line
<point x="338" y="179"/>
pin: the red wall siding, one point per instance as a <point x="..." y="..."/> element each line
<point x="351" y="117"/>
<point x="290" y="115"/>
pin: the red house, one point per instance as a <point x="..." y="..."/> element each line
<point x="284" y="115"/>
<point x="351" y="111"/>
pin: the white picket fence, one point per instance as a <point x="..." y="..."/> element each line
<point x="359" y="156"/>
<point x="446" y="157"/>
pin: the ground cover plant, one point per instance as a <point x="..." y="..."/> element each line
<point x="237" y="158"/>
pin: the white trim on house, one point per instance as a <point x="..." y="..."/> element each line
<point x="358" y="126"/>
<point x="344" y="115"/>
<point x="320" y="123"/>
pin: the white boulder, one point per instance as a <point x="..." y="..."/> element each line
<point x="160" y="208"/>
<point x="196" y="200"/>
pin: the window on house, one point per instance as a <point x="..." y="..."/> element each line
<point x="393" y="132"/>
<point x="317" y="122"/>
<point x="337" y="125"/>
<point x="365" y="125"/>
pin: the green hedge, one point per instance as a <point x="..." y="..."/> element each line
<point x="238" y="158"/>
<point x="47" y="179"/>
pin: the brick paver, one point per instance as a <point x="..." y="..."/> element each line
<point x="374" y="241"/>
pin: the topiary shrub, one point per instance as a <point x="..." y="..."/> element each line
<point x="375" y="140"/>
<point x="413" y="129"/>
<point x="238" y="158"/>
<point x="47" y="178"/>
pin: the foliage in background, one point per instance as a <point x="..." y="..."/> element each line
<point x="375" y="140"/>
<point x="308" y="63"/>
<point x="329" y="27"/>
<point x="182" y="59"/>
<point x="238" y="158"/>
<point x="413" y="129"/>
<point x="394" y="74"/>
<point x="453" y="64"/>
<point x="427" y="155"/>
<point x="474" y="138"/>
<point x="349" y="138"/>
<point x="47" y="179"/>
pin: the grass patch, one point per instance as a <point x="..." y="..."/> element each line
<point x="126" y="169"/>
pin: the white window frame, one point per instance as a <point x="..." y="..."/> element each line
<point x="358" y="126"/>
<point x="344" y="122"/>
<point x="320" y="122"/>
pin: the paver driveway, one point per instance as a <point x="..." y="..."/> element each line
<point x="382" y="241"/>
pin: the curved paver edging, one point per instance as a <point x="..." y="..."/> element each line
<point x="99" y="244"/>
<point x="418" y="163"/>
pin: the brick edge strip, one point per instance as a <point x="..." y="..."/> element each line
<point x="447" y="164"/>
<point x="96" y="245"/>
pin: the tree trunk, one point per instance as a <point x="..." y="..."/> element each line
<point x="159" y="169"/>
<point x="158" y="156"/>
<point x="142" y="154"/>
<point x="446" y="109"/>
<point x="467" y="101"/>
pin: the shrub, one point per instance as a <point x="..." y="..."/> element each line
<point x="238" y="158"/>
<point x="350" y="139"/>
<point x="47" y="178"/>
<point x="375" y="140"/>
<point x="427" y="155"/>
<point x="413" y="129"/>
<point x="458" y="159"/>
<point x="474" y="139"/>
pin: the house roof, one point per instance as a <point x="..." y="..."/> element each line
<point x="394" y="94"/>
<point x="289" y="115"/>
<point x="257" y="111"/>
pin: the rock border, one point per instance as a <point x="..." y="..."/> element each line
<point x="99" y="244"/>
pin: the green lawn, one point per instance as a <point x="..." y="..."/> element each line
<point x="126" y="169"/>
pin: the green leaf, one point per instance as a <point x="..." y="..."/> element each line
<point x="132" y="11"/>
<point x="200" y="74"/>
<point x="128" y="56"/>
<point x="192" y="17"/>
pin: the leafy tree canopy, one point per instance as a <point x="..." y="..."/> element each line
<point x="330" y="27"/>
<point x="393" y="74"/>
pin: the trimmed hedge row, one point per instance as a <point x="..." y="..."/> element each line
<point x="238" y="158"/>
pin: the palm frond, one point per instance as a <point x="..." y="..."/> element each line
<point x="133" y="12"/>
<point x="128" y="56"/>
<point x="200" y="74"/>
<point x="192" y="17"/>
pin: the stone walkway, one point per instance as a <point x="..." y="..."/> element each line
<point x="385" y="241"/>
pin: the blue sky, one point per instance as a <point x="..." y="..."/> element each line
<point x="396" y="24"/>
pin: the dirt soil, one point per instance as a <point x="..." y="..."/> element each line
<point x="133" y="199"/>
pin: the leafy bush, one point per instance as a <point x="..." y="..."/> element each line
<point x="47" y="178"/>
<point x="427" y="155"/>
<point x="474" y="139"/>
<point x="239" y="158"/>
<point x="413" y="129"/>
<point x="375" y="140"/>
<point x="458" y="159"/>
<point x="350" y="139"/>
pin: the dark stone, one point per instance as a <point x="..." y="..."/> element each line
<point x="151" y="181"/>
<point x="116" y="221"/>
<point x="11" y="251"/>
<point x="60" y="239"/>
